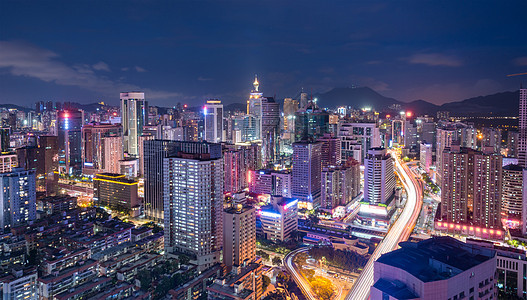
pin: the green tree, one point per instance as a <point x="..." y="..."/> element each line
<point x="277" y="261"/>
<point x="184" y="259"/>
<point x="262" y="254"/>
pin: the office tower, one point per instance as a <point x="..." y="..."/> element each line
<point x="307" y="167"/>
<point x="251" y="128"/>
<point x="47" y="163"/>
<point x="116" y="192"/>
<point x="254" y="104"/>
<point x="311" y="122"/>
<point x="141" y="148"/>
<point x="331" y="150"/>
<point x="270" y="182"/>
<point x="379" y="177"/>
<point x="359" y="135"/>
<point x="4" y="139"/>
<point x="134" y="115"/>
<point x="425" y="156"/>
<point x="213" y="120"/>
<point x="239" y="229"/>
<point x="426" y="130"/>
<point x="17" y="198"/>
<point x="279" y="218"/>
<point x="304" y="101"/>
<point x="398" y="132"/>
<point x="512" y="200"/>
<point x="340" y="184"/>
<point x="410" y="136"/>
<point x="290" y="108"/>
<point x="471" y="190"/>
<point x="270" y="130"/>
<point x="155" y="152"/>
<point x="193" y="206"/>
<point x="69" y="124"/>
<point x="94" y="146"/>
<point x="522" y="128"/>
<point x="27" y="157"/>
<point x="8" y="162"/>
<point x="437" y="268"/>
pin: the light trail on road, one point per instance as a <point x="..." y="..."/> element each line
<point x="297" y="277"/>
<point x="400" y="231"/>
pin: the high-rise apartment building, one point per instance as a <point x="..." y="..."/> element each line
<point x="97" y="145"/>
<point x="331" y="150"/>
<point x="307" y="167"/>
<point x="340" y="184"/>
<point x="134" y="115"/>
<point x="471" y="189"/>
<point x="270" y="182"/>
<point x="512" y="200"/>
<point x="522" y="128"/>
<point x="213" y="120"/>
<point x="193" y="206"/>
<point x="17" y="198"/>
<point x="379" y="176"/>
<point x="239" y="229"/>
<point x="155" y="152"/>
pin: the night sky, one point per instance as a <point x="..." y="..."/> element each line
<point x="187" y="51"/>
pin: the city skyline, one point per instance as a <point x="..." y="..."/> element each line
<point x="179" y="52"/>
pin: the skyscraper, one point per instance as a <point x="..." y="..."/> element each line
<point x="4" y="139"/>
<point x="17" y="198"/>
<point x="522" y="141"/>
<point x="213" y="120"/>
<point x="379" y="177"/>
<point x="94" y="152"/>
<point x="254" y="104"/>
<point x="270" y="130"/>
<point x="69" y="140"/>
<point x="134" y="115"/>
<point x="193" y="206"/>
<point x="307" y="167"/>
<point x="155" y="152"/>
<point x="471" y="189"/>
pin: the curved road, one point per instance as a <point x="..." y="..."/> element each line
<point x="400" y="231"/>
<point x="297" y="277"/>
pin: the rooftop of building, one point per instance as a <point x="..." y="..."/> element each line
<point x="238" y="209"/>
<point x="112" y="177"/>
<point x="395" y="288"/>
<point x="513" y="167"/>
<point x="423" y="259"/>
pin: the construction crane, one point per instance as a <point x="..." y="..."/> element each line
<point x="517" y="74"/>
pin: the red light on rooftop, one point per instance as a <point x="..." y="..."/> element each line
<point x="66" y="115"/>
<point x="387" y="116"/>
<point x="185" y="106"/>
<point x="408" y="113"/>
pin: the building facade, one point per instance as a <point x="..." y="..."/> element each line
<point x="134" y="115"/>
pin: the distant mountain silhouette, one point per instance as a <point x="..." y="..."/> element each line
<point x="500" y="104"/>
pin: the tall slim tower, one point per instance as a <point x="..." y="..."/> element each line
<point x="213" y="115"/>
<point x="134" y="115"/>
<point x="522" y="143"/>
<point x="270" y="130"/>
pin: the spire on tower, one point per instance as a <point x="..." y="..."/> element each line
<point x="255" y="83"/>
